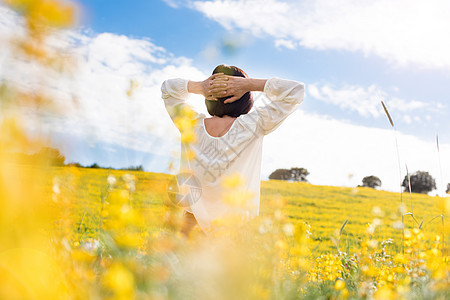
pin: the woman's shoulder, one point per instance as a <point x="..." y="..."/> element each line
<point x="249" y="123"/>
<point x="250" y="118"/>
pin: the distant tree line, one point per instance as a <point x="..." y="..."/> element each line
<point x="52" y="156"/>
<point x="96" y="166"/>
<point x="45" y="155"/>
<point x="419" y="182"/>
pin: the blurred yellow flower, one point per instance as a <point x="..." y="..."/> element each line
<point x="339" y="285"/>
<point x="127" y="239"/>
<point x="119" y="280"/>
<point x="385" y="293"/>
<point x="188" y="137"/>
<point x="233" y="181"/>
<point x="45" y="12"/>
<point x="238" y="197"/>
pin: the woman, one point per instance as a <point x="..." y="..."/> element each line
<point x="229" y="143"/>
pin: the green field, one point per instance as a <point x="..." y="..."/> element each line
<point x="115" y="234"/>
<point x="324" y="208"/>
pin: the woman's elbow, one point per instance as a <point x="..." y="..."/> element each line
<point x="300" y="92"/>
<point x="164" y="89"/>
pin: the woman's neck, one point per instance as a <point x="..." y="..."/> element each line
<point x="223" y="117"/>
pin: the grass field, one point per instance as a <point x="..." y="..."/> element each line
<point x="115" y="234"/>
<point x="325" y="208"/>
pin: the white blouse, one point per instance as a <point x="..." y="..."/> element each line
<point x="223" y="177"/>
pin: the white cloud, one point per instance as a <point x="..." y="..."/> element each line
<point x="285" y="43"/>
<point x="333" y="150"/>
<point x="366" y="101"/>
<point x="354" y="98"/>
<point x="402" y="32"/>
<point x="91" y="102"/>
<point x="172" y="3"/>
<point x="407" y="119"/>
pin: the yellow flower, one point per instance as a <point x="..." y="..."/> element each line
<point x="238" y="197"/>
<point x="190" y="155"/>
<point x="233" y="181"/>
<point x="408" y="234"/>
<point x="188" y="112"/>
<point x="345" y="293"/>
<point x="385" y="293"/>
<point x="127" y="239"/>
<point x="400" y="259"/>
<point x="119" y="196"/>
<point x="339" y="285"/>
<point x="82" y="256"/>
<point x="120" y="280"/>
<point x="45" y="12"/>
<point x="188" y="137"/>
<point x="229" y="220"/>
<point x="280" y="244"/>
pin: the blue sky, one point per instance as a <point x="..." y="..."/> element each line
<point x="187" y="32"/>
<point x="350" y="54"/>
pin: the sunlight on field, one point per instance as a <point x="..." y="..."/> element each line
<point x="76" y="233"/>
<point x="116" y="233"/>
<point x="326" y="208"/>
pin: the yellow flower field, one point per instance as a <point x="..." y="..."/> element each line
<point x="116" y="235"/>
<point x="324" y="208"/>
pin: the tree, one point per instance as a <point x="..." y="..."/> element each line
<point x="294" y="174"/>
<point x="75" y="164"/>
<point x="134" y="168"/>
<point x="448" y="188"/>
<point x="421" y="182"/>
<point x="46" y="155"/>
<point x="299" y="174"/>
<point x="281" y="174"/>
<point x="371" y="181"/>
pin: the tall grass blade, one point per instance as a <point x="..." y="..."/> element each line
<point x="340" y="233"/>
<point x="443" y="230"/>
<point x="82" y="220"/>
<point x="443" y="235"/>
<point x="387" y="114"/>
<point x="399" y="171"/>
<point x="396" y="146"/>
<point x="437" y="141"/>
<point x="342" y="228"/>
<point x="409" y="186"/>
<point x="412" y="216"/>
<point x="440" y="165"/>
<point x="403" y="228"/>
<point x="442" y="192"/>
<point x="403" y="236"/>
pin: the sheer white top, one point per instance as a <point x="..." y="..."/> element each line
<point x="237" y="154"/>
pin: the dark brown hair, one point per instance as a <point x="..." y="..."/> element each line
<point x="236" y="108"/>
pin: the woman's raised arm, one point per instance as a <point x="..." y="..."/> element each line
<point x="283" y="97"/>
<point x="175" y="91"/>
<point x="203" y="87"/>
<point x="234" y="86"/>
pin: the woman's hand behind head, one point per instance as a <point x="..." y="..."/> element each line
<point x="206" y="86"/>
<point x="225" y="86"/>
